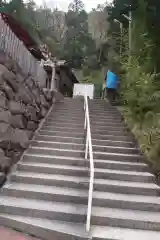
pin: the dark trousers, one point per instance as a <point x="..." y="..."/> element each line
<point x="111" y="94"/>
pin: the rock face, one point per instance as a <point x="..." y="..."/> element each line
<point x="22" y="105"/>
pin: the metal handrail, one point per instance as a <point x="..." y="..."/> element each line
<point x="88" y="149"/>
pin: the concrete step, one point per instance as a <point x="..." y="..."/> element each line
<point x="80" y="129"/>
<point x="50" y="184"/>
<point x="53" y="169"/>
<point x="62" y="120"/>
<point x="83" y="171"/>
<point x="96" y="106"/>
<point x="119" y="165"/>
<point x="115" y="233"/>
<point x="56" y="160"/>
<point x="63" y="124"/>
<point x="55" y="151"/>
<point x="41" y="137"/>
<point x="131" y="176"/>
<point x="139" y="188"/>
<point x="126" y="218"/>
<point x="111" y="137"/>
<point x="101" y="151"/>
<point x="61" y="145"/>
<point x="46" y="193"/>
<point x="108" y="119"/>
<point x="100" y="127"/>
<point x="74" y="109"/>
<point x="62" y="133"/>
<point x="71" y="111"/>
<point x="109" y="123"/>
<point x="126" y="201"/>
<point x="67" y="113"/>
<point x="112" y="143"/>
<point x="118" y="156"/>
<point x="66" y="117"/>
<point x="105" y="113"/>
<point x="44" y="228"/>
<point x="50" y="179"/>
<point x="110" y="109"/>
<point x="80" y="153"/>
<point x="106" y="164"/>
<point x="71" y="195"/>
<point x="106" y="116"/>
<point x="74" y="124"/>
<point x="43" y="209"/>
<point x="79" y="182"/>
<point x="103" y="109"/>
<point x="63" y="129"/>
<point x="75" y="146"/>
<point x="96" y="128"/>
<point x="115" y="149"/>
<point x="111" y="131"/>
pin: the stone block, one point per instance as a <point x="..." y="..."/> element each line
<point x="32" y="126"/>
<point x="3" y="57"/>
<point x="30" y="134"/>
<point x="19" y="78"/>
<point x="6" y="132"/>
<point x="8" y="91"/>
<point x="16" y="107"/>
<point x="6" y="73"/>
<point x="10" y="64"/>
<point x="3" y="100"/>
<point x="12" y="83"/>
<point x="31" y="113"/>
<point x="5" y="116"/>
<point x="1" y="79"/>
<point x="4" y="128"/>
<point x="21" y="137"/>
<point x="44" y="101"/>
<point x="18" y="121"/>
<point x="1" y="153"/>
<point x="5" y="164"/>
<point x="30" y="82"/>
<point x="25" y="95"/>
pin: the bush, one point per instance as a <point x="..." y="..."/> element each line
<point x="142" y="99"/>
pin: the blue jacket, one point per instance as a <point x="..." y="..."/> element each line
<point x="112" y="80"/>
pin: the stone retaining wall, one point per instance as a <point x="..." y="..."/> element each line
<point x="22" y="106"/>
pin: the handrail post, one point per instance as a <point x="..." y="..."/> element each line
<point x="90" y="196"/>
<point x="85" y="121"/>
<point x="88" y="150"/>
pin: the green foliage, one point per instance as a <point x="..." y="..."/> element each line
<point x="140" y="78"/>
<point x="66" y="34"/>
<point x="140" y="89"/>
<point x="79" y="45"/>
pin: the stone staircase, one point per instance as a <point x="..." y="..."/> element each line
<point x="47" y="193"/>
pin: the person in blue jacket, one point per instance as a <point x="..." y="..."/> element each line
<point x="112" y="83"/>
